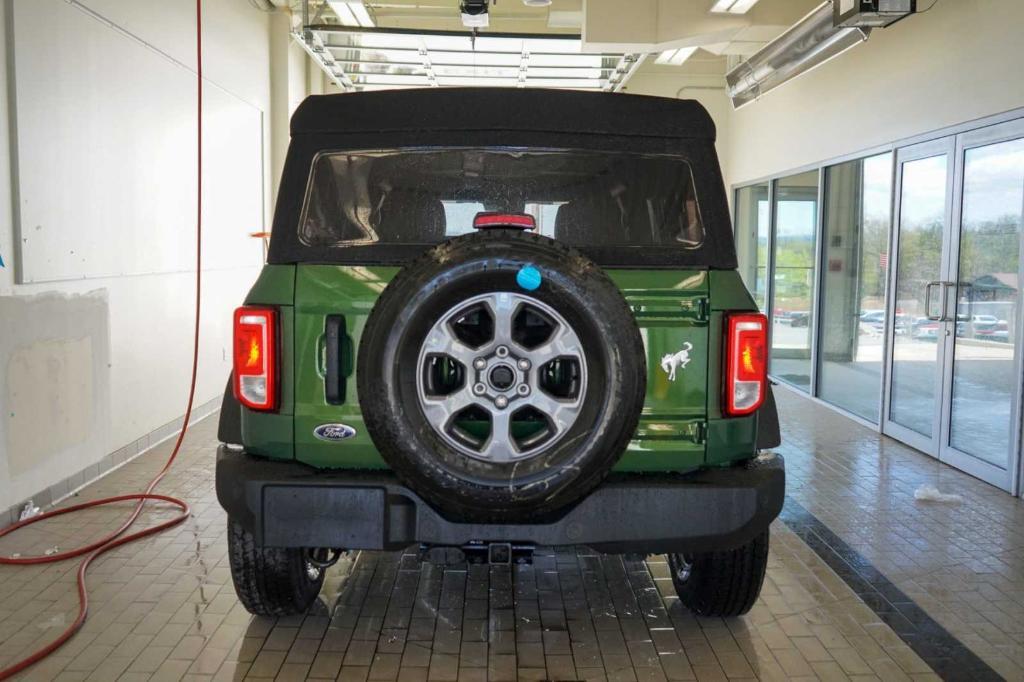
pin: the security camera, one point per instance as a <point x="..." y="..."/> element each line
<point x="474" y="13"/>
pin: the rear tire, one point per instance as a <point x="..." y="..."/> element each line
<point x="721" y="584"/>
<point x="271" y="581"/>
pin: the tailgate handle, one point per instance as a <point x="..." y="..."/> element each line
<point x="334" y="379"/>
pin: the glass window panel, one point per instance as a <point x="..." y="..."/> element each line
<point x="419" y="196"/>
<point x="915" y="359"/>
<point x="796" y="216"/>
<point x="566" y="45"/>
<point x="389" y="79"/>
<point x="563" y="82"/>
<point x="385" y="40"/>
<point x="478" y="82"/>
<point x="984" y="380"/>
<point x="475" y="59"/>
<point x="436" y="42"/>
<point x="354" y="70"/>
<point x="403" y="56"/>
<point x="477" y="71"/>
<point x="490" y="44"/>
<point x="752" y="226"/>
<point x="858" y="197"/>
<point x="547" y="72"/>
<point x="570" y="60"/>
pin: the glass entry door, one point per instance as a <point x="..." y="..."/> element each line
<point x="917" y="325"/>
<point x="982" y="420"/>
<point x="954" y="321"/>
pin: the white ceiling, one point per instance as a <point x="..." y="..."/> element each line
<point x="595" y="45"/>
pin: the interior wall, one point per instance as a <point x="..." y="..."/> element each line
<point x="89" y="366"/>
<point x="947" y="66"/>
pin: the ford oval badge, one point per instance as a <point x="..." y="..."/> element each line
<point x="334" y="432"/>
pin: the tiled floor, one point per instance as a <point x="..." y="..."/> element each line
<point x="164" y="608"/>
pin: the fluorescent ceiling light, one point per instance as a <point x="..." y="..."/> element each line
<point x="675" y="57"/>
<point x="344" y="12"/>
<point x="362" y="16"/>
<point x="733" y="6"/>
<point x="681" y="55"/>
<point x="351" y="13"/>
<point x="361" y="58"/>
<point x="665" y="56"/>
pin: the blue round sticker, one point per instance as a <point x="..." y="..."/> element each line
<point x="528" y="277"/>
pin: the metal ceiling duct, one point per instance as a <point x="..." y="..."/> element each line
<point x="810" y="42"/>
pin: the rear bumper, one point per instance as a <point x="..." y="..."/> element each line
<point x="287" y="504"/>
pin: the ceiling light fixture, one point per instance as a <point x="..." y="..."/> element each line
<point x="732" y="6"/>
<point x="665" y="56"/>
<point x="362" y="16"/>
<point x="681" y="55"/>
<point x="675" y="57"/>
<point x="351" y="13"/>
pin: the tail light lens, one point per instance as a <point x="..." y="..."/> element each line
<point x="486" y="220"/>
<point x="746" y="363"/>
<point x="255" y="377"/>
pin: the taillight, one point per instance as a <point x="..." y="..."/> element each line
<point x="746" y="362"/>
<point x="486" y="220"/>
<point x="255" y="374"/>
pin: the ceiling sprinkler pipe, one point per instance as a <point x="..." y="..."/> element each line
<point x="810" y="42"/>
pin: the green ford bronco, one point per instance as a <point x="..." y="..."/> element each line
<point x="493" y="319"/>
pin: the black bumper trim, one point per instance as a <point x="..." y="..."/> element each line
<point x="288" y="504"/>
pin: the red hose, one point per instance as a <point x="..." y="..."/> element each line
<point x="117" y="538"/>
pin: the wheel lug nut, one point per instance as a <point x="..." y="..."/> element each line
<point x="501" y="402"/>
<point x="523" y="389"/>
<point x="479" y="389"/>
<point x="501" y="352"/>
<point x="524" y="364"/>
<point x="480" y="363"/>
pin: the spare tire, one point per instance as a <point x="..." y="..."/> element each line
<point x="501" y="375"/>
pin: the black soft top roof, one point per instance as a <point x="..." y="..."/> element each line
<point x="503" y="109"/>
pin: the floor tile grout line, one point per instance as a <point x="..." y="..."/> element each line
<point x="948" y="656"/>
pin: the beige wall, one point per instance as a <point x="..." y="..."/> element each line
<point x="958" y="62"/>
<point x="90" y="366"/>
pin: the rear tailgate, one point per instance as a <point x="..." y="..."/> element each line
<point x="671" y="308"/>
<point x="338" y="297"/>
<point x="672" y="311"/>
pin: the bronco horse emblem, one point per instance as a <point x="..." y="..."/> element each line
<point x="673" y="361"/>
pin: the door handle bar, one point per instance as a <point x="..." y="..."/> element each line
<point x="928" y="302"/>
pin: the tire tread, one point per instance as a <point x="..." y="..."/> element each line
<point x="724" y="583"/>
<point x="269" y="581"/>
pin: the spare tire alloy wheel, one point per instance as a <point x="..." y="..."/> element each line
<point x="518" y="364"/>
<point x="494" y="401"/>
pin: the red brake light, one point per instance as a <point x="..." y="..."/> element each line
<point x="255" y="375"/>
<point x="522" y="221"/>
<point x="746" y="363"/>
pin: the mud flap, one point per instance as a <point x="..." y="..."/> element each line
<point x="768" y="435"/>
<point x="229" y="429"/>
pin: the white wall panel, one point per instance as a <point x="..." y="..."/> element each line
<point x="121" y="158"/>
<point x="119" y="189"/>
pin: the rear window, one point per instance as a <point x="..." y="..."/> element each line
<point x="423" y="196"/>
